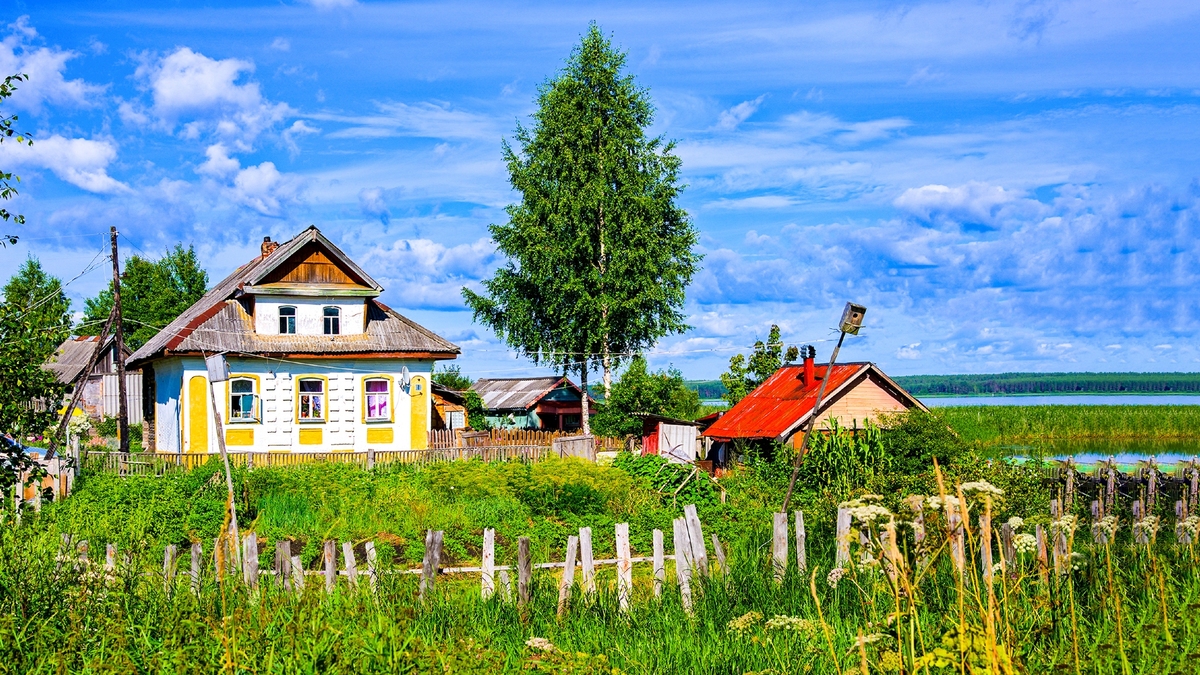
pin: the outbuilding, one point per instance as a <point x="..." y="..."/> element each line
<point x="552" y="403"/>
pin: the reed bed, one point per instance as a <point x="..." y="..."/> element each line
<point x="1015" y="424"/>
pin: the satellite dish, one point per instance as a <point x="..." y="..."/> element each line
<point x="404" y="376"/>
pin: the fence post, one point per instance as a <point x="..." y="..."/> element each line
<point x="699" y="554"/>
<point x="283" y="564"/>
<point x="372" y="566"/>
<point x="779" y="544"/>
<point x="660" y="571"/>
<point x="985" y="543"/>
<point x="1042" y="558"/>
<point x="197" y="561"/>
<point x="249" y="459"/>
<point x="250" y="558"/>
<point x="370" y="458"/>
<point x="297" y="573"/>
<point x="110" y="557"/>
<point x="842" y="557"/>
<point x="524" y="571"/>
<point x="568" y="576"/>
<point x="958" y="549"/>
<point x="683" y="562"/>
<point x="585" y="557"/>
<point x="168" y="567"/>
<point x="719" y="552"/>
<point x="330" y="566"/>
<point x="1008" y="549"/>
<point x="801" y="540"/>
<point x="505" y="585"/>
<point x="624" y="567"/>
<point x="83" y="553"/>
<point x="488" y="585"/>
<point x="350" y="563"/>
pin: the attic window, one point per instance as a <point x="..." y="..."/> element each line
<point x="333" y="320"/>
<point x="287" y="320"/>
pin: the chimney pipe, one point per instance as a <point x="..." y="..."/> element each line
<point x="810" y="369"/>
<point x="268" y="246"/>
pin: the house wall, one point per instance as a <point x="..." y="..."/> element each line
<point x="309" y="316"/>
<point x="182" y="387"/>
<point x="864" y="401"/>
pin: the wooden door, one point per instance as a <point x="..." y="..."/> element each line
<point x="418" y="395"/>
<point x="198" y="405"/>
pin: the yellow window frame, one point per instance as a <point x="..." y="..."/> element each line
<point x="391" y="399"/>
<point x="324" y="404"/>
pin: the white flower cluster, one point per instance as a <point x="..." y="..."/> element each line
<point x="1189" y="527"/>
<point x="1148" y="526"/>
<point x="1016" y="522"/>
<point x="1077" y="562"/>
<point x="1025" y="543"/>
<point x="540" y="644"/>
<point x="835" y="575"/>
<point x="866" y="510"/>
<point x="793" y="623"/>
<point x="983" y="488"/>
<point x="745" y="622"/>
<point x="1105" y="527"/>
<point x="933" y="503"/>
<point x="997" y="569"/>
<point x="1065" y="525"/>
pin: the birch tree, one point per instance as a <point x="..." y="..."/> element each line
<point x="599" y="253"/>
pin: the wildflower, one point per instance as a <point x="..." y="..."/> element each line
<point x="793" y="623"/>
<point x="1148" y="527"/>
<point x="540" y="644"/>
<point x="865" y="511"/>
<point x="1025" y="543"/>
<point x="1065" y="525"/>
<point x="1077" y="561"/>
<point x="997" y="569"/>
<point x="933" y="503"/>
<point x="1188" y="528"/>
<point x="1105" y="528"/>
<point x="983" y="487"/>
<point x="745" y="622"/>
<point x="868" y="639"/>
<point x="835" y="575"/>
<point x="1016" y="522"/>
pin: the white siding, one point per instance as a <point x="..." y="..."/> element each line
<point x="309" y="317"/>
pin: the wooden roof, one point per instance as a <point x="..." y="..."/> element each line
<point x="73" y="355"/>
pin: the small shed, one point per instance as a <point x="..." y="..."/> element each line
<point x="101" y="395"/>
<point x="674" y="439"/>
<point x="542" y="403"/>
<point x="449" y="408"/>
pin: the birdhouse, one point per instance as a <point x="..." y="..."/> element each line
<point x="852" y="318"/>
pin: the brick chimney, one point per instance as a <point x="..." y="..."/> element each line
<point x="810" y="369"/>
<point x="268" y="246"/>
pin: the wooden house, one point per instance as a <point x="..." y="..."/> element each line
<point x="543" y="403"/>
<point x="101" y="391"/>
<point x="317" y="362"/>
<point x="780" y="408"/>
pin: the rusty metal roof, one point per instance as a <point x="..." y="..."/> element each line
<point x="517" y="393"/>
<point x="784" y="401"/>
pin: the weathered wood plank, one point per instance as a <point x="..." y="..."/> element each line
<point x="197" y="565"/>
<point x="719" y="552"/>
<point x="696" y="537"/>
<point x="801" y="544"/>
<point x="585" y="557"/>
<point x="488" y="584"/>
<point x="330" y="557"/>
<point x="842" y="557"/>
<point x="372" y="566"/>
<point x="250" y="558"/>
<point x="624" y="567"/>
<point x="779" y="545"/>
<point x="660" y="568"/>
<point x="568" y="576"/>
<point x="683" y="562"/>
<point x="350" y="563"/>
<point x="524" y="571"/>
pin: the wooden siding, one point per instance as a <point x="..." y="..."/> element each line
<point x="311" y="266"/>
<point x="864" y="400"/>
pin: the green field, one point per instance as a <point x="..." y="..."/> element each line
<point x="1008" y="424"/>
<point x="1131" y="613"/>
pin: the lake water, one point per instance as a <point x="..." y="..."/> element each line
<point x="1063" y="399"/>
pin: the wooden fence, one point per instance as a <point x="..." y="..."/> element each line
<point x="457" y="438"/>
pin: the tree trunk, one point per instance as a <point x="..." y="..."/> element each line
<point x="606" y="362"/>
<point x="583" y="404"/>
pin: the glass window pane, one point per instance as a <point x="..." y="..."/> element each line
<point x="243" y="386"/>
<point x="332" y="311"/>
<point x="316" y="407"/>
<point x="316" y="386"/>
<point x="304" y="409"/>
<point x="377" y="385"/>
<point x="287" y="311"/>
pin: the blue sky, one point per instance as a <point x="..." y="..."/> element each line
<point x="1005" y="185"/>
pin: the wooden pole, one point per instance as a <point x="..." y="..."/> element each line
<point x="585" y="557"/>
<point x="624" y="567"/>
<point x="250" y="561"/>
<point x="283" y="564"/>
<point x="568" y="576"/>
<point x="985" y="543"/>
<point x="524" y="571"/>
<point x="699" y="554"/>
<point x="683" y="563"/>
<point x="1043" y="559"/>
<point x="505" y="585"/>
<point x="660" y="568"/>
<point x="297" y="574"/>
<point x="168" y="567"/>
<point x="842" y="556"/>
<point x="197" y="561"/>
<point x="958" y="551"/>
<point x="330" y="566"/>
<point x="488" y="585"/>
<point x="719" y="552"/>
<point x="801" y="541"/>
<point x="372" y="566"/>
<point x="814" y="416"/>
<point x="779" y="545"/>
<point x="350" y="563"/>
<point x="119" y="356"/>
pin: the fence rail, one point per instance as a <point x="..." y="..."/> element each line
<point x="457" y="438"/>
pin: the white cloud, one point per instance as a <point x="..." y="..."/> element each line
<point x="78" y="161"/>
<point x="909" y="352"/>
<point x="429" y="274"/>
<point x="924" y="75"/>
<point x="421" y="120"/>
<point x="298" y="128"/>
<point x="730" y="119"/>
<point x="281" y="44"/>
<point x="372" y="204"/>
<point x="206" y="96"/>
<point x="219" y="164"/>
<point x="45" y="67"/>
<point x="266" y="190"/>
<point x="974" y="202"/>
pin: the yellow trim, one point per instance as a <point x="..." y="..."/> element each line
<point x="229" y="402"/>
<point x="391" y="399"/>
<point x="242" y="436"/>
<point x="324" y="406"/>
<point x="380" y="435"/>
<point x="418" y="396"/>
<point x="311" y="436"/>
<point x="198" y="407"/>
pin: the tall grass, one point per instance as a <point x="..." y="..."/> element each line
<point x="998" y="424"/>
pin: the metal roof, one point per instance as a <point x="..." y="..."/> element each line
<point x="517" y="393"/>
<point x="782" y="403"/>
<point x="73" y="356"/>
<point x="218" y="322"/>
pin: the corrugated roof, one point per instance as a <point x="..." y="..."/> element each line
<point x="784" y="401"/>
<point x="73" y="356"/>
<point x="516" y="393"/>
<point x="219" y="323"/>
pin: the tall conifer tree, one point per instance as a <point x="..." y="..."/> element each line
<point x="599" y="253"/>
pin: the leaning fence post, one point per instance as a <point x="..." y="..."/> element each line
<point x="683" y="563"/>
<point x="350" y="563"/>
<point x="197" y="562"/>
<point x="779" y="543"/>
<point x="624" y="567"/>
<point x="250" y="558"/>
<point x="568" y="576"/>
<point x="719" y="552"/>
<point x="110" y="557"/>
<point x="283" y="564"/>
<point x="842" y="557"/>
<point x="660" y="571"/>
<point x="1042" y="559"/>
<point x="696" y="536"/>
<point x="585" y="558"/>
<point x="985" y="543"/>
<point x="505" y="585"/>
<point x="488" y="585"/>
<point x="330" y="566"/>
<point x="524" y="571"/>
<point x="168" y="566"/>
<point x="372" y="565"/>
<point x="801" y="540"/>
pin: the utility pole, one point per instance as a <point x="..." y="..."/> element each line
<point x="119" y="355"/>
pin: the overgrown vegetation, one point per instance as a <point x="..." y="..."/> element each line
<point x="1003" y="424"/>
<point x="641" y="391"/>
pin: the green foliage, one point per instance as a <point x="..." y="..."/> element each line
<point x="1050" y="383"/>
<point x="639" y="391"/>
<point x="1007" y="424"/>
<point x="153" y="294"/>
<point x="8" y="132"/>
<point x="476" y="413"/>
<point x="452" y="378"/>
<point x="745" y="374"/>
<point x="843" y="458"/>
<point x="34" y="321"/>
<point x="914" y="439"/>
<point x="599" y="254"/>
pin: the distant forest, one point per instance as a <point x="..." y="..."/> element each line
<point x="1023" y="383"/>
